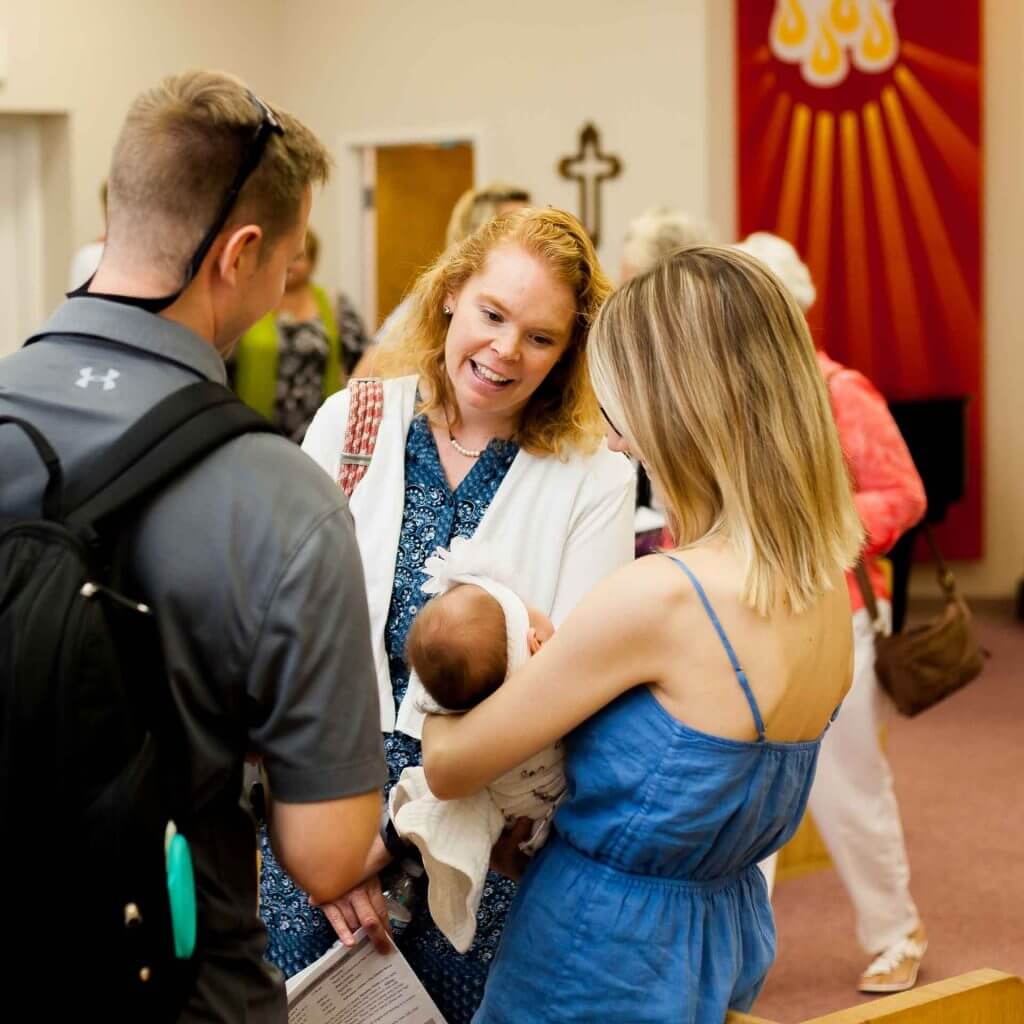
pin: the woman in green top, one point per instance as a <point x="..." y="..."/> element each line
<point x="290" y="361"/>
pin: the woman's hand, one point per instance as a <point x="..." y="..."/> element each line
<point x="362" y="907"/>
<point x="506" y="857"/>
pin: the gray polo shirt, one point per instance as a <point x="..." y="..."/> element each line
<point x="250" y="562"/>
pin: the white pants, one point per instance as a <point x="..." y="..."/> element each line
<point x="854" y="805"/>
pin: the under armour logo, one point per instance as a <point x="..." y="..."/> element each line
<point x="88" y="376"/>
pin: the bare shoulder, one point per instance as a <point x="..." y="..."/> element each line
<point x="797" y="664"/>
<point x="661" y="576"/>
<point x="674" y="583"/>
<point x="641" y="597"/>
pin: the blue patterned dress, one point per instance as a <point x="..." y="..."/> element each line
<point x="298" y="933"/>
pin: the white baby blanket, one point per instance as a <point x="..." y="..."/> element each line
<point x="455" y="836"/>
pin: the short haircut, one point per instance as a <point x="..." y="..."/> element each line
<point x="180" y="147"/>
<point x="658" y="232"/>
<point x="458" y="646"/>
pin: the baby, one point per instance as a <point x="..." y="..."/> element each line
<point x="458" y="645"/>
<point x="462" y="646"/>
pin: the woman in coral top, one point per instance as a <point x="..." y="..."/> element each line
<point x="853" y="801"/>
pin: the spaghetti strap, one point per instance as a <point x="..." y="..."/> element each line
<point x="734" y="661"/>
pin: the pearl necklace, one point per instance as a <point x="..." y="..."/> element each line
<point x="469" y="453"/>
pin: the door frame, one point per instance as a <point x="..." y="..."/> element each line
<point x="23" y="228"/>
<point x="357" y="257"/>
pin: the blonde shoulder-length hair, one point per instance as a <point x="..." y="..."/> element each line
<point x="562" y="414"/>
<point x="477" y="205"/>
<point x="706" y="364"/>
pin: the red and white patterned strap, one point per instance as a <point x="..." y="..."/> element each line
<point x="366" y="407"/>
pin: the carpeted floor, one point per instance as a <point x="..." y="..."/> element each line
<point x="959" y="772"/>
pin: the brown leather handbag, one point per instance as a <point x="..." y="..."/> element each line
<point x="921" y="666"/>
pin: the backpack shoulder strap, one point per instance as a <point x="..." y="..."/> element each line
<point x="365" y="411"/>
<point x="174" y="435"/>
<point x="53" y="494"/>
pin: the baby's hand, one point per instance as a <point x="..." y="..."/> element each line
<point x="540" y="630"/>
<point x="506" y="857"/>
<point x="533" y="641"/>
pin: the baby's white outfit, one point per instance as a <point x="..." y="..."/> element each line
<point x="455" y="837"/>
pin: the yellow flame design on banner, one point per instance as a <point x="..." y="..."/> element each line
<point x="846" y="19"/>
<point x="790" y="30"/>
<point x="828" y="63"/>
<point x="877" y="49"/>
<point x="822" y="36"/>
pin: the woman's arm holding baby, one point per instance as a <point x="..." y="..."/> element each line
<point x="609" y="644"/>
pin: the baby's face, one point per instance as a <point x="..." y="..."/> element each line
<point x="541" y="629"/>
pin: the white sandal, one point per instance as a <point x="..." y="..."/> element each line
<point x="895" y="969"/>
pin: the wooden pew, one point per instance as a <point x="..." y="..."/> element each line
<point x="980" y="997"/>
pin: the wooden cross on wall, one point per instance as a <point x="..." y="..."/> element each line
<point x="589" y="168"/>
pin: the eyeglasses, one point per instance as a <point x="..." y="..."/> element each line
<point x="269" y="125"/>
<point x="608" y="420"/>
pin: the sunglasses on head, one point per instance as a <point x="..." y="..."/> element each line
<point x="513" y="196"/>
<point x="269" y="125"/>
<point x="253" y="153"/>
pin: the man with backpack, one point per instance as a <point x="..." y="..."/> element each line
<point x="180" y="589"/>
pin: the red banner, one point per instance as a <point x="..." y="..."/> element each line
<point x="860" y="141"/>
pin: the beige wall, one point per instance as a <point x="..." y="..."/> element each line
<point x="1003" y="565"/>
<point x="655" y="75"/>
<point x="527" y="75"/>
<point x="87" y="60"/>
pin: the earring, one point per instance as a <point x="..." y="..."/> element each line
<point x="446" y="311"/>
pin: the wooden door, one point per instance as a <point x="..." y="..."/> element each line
<point x="415" y="190"/>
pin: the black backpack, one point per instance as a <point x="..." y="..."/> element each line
<point x="92" y="763"/>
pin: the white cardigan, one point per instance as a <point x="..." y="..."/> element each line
<point x="564" y="524"/>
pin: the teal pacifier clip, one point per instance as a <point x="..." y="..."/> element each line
<point x="181" y="889"/>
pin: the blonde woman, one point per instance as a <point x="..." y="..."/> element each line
<point x="853" y="800"/>
<point x="476" y="206"/>
<point x="695" y="687"/>
<point x="494" y="432"/>
<point x="651" y="237"/>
